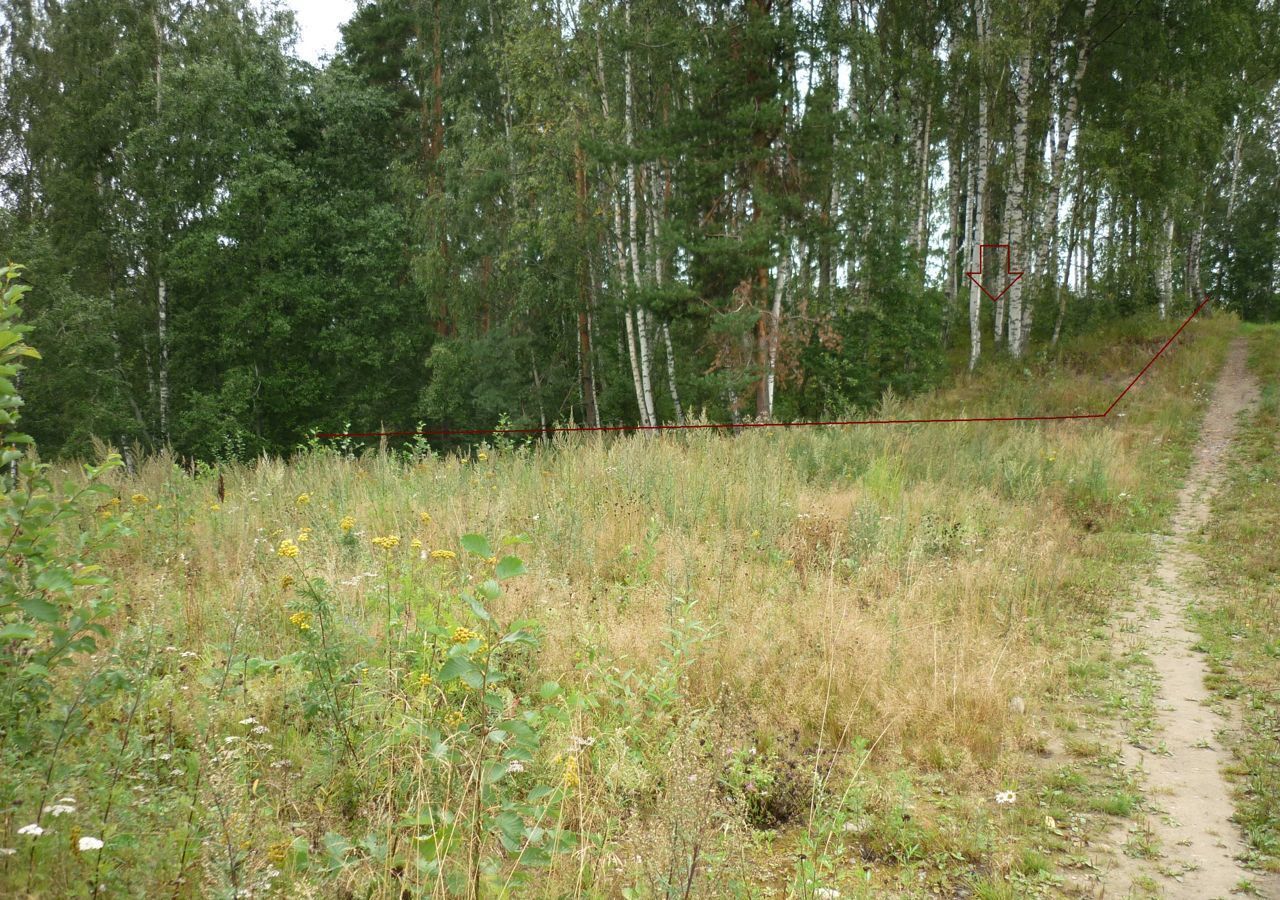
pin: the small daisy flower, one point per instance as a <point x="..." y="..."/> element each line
<point x="1006" y="798"/>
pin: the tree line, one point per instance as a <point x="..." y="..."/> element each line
<point x="607" y="212"/>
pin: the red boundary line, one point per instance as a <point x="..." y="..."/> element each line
<point x="582" y="428"/>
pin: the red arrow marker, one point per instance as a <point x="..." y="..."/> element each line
<point x="1008" y="269"/>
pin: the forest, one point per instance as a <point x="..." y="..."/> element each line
<point x="485" y="213"/>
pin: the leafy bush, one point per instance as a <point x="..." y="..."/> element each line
<point x="53" y="599"/>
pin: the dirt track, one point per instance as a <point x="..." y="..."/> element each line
<point x="1181" y="768"/>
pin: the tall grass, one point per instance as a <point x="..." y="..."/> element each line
<point x="753" y="633"/>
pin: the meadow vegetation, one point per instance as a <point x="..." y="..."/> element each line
<point x="785" y="662"/>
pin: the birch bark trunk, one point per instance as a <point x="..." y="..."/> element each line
<point x="775" y="318"/>
<point x="1016" y="198"/>
<point x="1047" y="261"/>
<point x="980" y="188"/>
<point x="922" y="203"/>
<point x="633" y="209"/>
<point x="620" y="251"/>
<point x="162" y="295"/>
<point x="1165" y="274"/>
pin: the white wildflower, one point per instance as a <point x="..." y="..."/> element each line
<point x="515" y="766"/>
<point x="58" y="809"/>
<point x="33" y="830"/>
<point x="90" y="843"/>
<point x="249" y="721"/>
<point x="188" y="654"/>
<point x="1006" y="798"/>
<point x="260" y="729"/>
<point x="7" y="851"/>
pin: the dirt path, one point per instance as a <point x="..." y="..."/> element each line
<point x="1182" y="765"/>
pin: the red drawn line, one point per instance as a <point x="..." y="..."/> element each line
<point x="1008" y="270"/>
<point x="1058" y="418"/>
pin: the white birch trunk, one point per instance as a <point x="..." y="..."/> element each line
<point x="671" y="373"/>
<point x="1016" y="198"/>
<point x="979" y="213"/>
<point x="1048" y="257"/>
<point x="633" y="210"/>
<point x="1165" y="274"/>
<point x="162" y="295"/>
<point x="657" y="215"/>
<point x="922" y="204"/>
<point x="775" y="320"/>
<point x="621" y="254"/>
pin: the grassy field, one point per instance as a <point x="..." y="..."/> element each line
<point x="783" y="663"/>
<point x="1239" y="619"/>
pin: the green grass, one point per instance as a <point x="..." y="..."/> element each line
<point x="745" y="661"/>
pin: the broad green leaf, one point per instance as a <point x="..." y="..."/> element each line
<point x="39" y="609"/>
<point x="455" y="667"/>
<point x="55" y="579"/>
<point x="17" y="631"/>
<point x="509" y="567"/>
<point x="477" y="544"/>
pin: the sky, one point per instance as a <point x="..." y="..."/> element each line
<point x="318" y="24"/>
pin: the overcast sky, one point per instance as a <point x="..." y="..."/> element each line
<point x="318" y="23"/>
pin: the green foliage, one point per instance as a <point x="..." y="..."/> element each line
<point x="54" y="599"/>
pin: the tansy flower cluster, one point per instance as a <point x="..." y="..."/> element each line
<point x="288" y="549"/>
<point x="387" y="542"/>
<point x="304" y="498"/>
<point x="140" y="499"/>
<point x="443" y="554"/>
<point x="304" y="535"/>
<point x="301" y="621"/>
<point x="347" y="523"/>
<point x="424" y="518"/>
<point x="424" y="680"/>
<point x="461" y="635"/>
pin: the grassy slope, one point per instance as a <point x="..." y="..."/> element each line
<point x="1240" y="619"/>
<point x="855" y="608"/>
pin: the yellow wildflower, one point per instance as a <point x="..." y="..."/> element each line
<point x="140" y="499"/>
<point x="286" y="582"/>
<point x="304" y="535"/>
<point x="424" y="518"/>
<point x="288" y="549"/>
<point x="454" y="719"/>
<point x="462" y="635"/>
<point x="424" y="680"/>
<point x="387" y="542"/>
<point x="214" y="507"/>
<point x="114" y="501"/>
<point x="571" y="771"/>
<point x="443" y="554"/>
<point x="415" y="544"/>
<point x="482" y="456"/>
<point x="492" y="560"/>
<point x="347" y="523"/>
<point x="304" y="498"/>
<point x="301" y="620"/>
